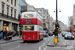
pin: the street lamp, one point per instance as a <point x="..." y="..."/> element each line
<point x="56" y="26"/>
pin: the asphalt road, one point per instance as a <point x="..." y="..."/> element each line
<point x="70" y="44"/>
<point x="19" y="45"/>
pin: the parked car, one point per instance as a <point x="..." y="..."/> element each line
<point x="69" y="35"/>
<point x="63" y="34"/>
<point x="73" y="34"/>
<point x="45" y="34"/>
<point x="50" y="33"/>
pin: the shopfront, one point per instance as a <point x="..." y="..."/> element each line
<point x="14" y="26"/>
<point x="5" y="25"/>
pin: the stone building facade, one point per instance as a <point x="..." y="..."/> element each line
<point x="9" y="15"/>
<point x="46" y="18"/>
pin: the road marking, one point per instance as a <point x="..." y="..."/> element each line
<point x="16" y="47"/>
<point x="9" y="43"/>
<point x="5" y="44"/>
<point x="41" y="46"/>
<point x="48" y="39"/>
<point x="45" y="48"/>
<point x="19" y="46"/>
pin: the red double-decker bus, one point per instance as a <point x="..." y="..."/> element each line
<point x="72" y="28"/>
<point x="32" y="25"/>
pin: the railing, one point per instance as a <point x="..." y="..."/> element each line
<point x="6" y="16"/>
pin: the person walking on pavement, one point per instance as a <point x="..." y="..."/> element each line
<point x="14" y="32"/>
<point x="1" y="35"/>
<point x="20" y="33"/>
<point x="4" y="33"/>
<point x="9" y="35"/>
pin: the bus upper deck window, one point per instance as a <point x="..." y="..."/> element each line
<point x="28" y="15"/>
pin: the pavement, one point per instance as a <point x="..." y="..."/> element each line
<point x="13" y="39"/>
<point x="61" y="42"/>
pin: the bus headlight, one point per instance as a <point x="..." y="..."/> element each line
<point x="72" y="36"/>
<point x="65" y="36"/>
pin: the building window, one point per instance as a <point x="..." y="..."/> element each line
<point x="7" y="0"/>
<point x="19" y="17"/>
<point x="7" y="11"/>
<point x="47" y="12"/>
<point x="43" y="16"/>
<point x="44" y="25"/>
<point x="47" y="16"/>
<point x="15" y="2"/>
<point x="74" y="6"/>
<point x="2" y="8"/>
<point x="43" y="20"/>
<point x="11" y="1"/>
<point x="11" y="12"/>
<point x="14" y="13"/>
<point x="44" y="13"/>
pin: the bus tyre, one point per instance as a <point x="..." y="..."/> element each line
<point x="24" y="41"/>
<point x="42" y="39"/>
<point x="39" y="38"/>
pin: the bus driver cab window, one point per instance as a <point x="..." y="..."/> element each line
<point x="29" y="28"/>
<point x="28" y="15"/>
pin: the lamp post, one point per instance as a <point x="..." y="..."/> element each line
<point x="56" y="26"/>
<point x="56" y="13"/>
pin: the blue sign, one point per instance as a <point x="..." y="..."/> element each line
<point x="55" y="37"/>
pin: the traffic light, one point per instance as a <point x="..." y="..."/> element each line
<point x="19" y="27"/>
<point x="57" y="25"/>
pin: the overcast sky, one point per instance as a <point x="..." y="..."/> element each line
<point x="66" y="7"/>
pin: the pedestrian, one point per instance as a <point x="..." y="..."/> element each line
<point x="1" y="35"/>
<point x="16" y="33"/>
<point x="10" y="35"/>
<point x="4" y="33"/>
<point x="6" y="36"/>
<point x="20" y="33"/>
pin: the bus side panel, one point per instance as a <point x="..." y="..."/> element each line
<point x="22" y="21"/>
<point x="33" y="21"/>
<point x="30" y="35"/>
<point x="41" y="34"/>
<point x="40" y="23"/>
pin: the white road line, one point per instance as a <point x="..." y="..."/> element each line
<point x="9" y="43"/>
<point x="45" y="48"/>
<point x="41" y="46"/>
<point x="45" y="43"/>
<point x="19" y="46"/>
<point x="5" y="44"/>
<point x="16" y="47"/>
<point x="48" y="40"/>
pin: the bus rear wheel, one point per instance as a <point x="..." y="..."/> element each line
<point x="39" y="38"/>
<point x="42" y="39"/>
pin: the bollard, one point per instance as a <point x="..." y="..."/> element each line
<point x="55" y="39"/>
